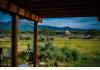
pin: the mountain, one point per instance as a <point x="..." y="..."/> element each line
<point x="54" y="28"/>
<point x="5" y="25"/>
<point x="21" y="26"/>
<point x="28" y="26"/>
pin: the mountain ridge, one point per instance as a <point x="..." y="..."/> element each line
<point x="27" y="27"/>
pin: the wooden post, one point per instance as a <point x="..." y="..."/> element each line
<point x="14" y="40"/>
<point x="98" y="18"/>
<point x="0" y="56"/>
<point x="35" y="43"/>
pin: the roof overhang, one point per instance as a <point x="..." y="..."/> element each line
<point x="61" y="8"/>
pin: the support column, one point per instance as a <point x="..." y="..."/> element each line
<point x="14" y="40"/>
<point x="35" y="43"/>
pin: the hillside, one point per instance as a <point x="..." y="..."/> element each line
<point x="28" y="27"/>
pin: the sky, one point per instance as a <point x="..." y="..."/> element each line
<point x="73" y="22"/>
<point x="4" y="17"/>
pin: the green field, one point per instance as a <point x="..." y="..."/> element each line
<point x="83" y="45"/>
<point x="89" y="50"/>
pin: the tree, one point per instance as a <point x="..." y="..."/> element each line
<point x="93" y="32"/>
<point x="46" y="31"/>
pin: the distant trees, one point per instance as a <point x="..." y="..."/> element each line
<point x="93" y="32"/>
<point x="5" y="31"/>
<point x="47" y="32"/>
<point x="24" y="32"/>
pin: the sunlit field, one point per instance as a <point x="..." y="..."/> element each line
<point x="88" y="50"/>
<point x="83" y="45"/>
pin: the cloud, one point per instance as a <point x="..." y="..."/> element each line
<point x="74" y="22"/>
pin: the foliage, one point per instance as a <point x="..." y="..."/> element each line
<point x="87" y="52"/>
<point x="70" y="54"/>
<point x="47" y="32"/>
<point x="93" y="32"/>
<point x="58" y="54"/>
<point x="22" y="55"/>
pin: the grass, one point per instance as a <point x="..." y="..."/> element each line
<point x="83" y="45"/>
<point x="89" y="50"/>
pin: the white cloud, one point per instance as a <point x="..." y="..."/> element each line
<point x="74" y="22"/>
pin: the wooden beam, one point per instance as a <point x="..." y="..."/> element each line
<point x="55" y="2"/>
<point x="28" y="14"/>
<point x="21" y="11"/>
<point x="52" y="4"/>
<point x="64" y="8"/>
<point x="69" y="13"/>
<point x="13" y="8"/>
<point x="40" y="19"/>
<point x="1" y="49"/>
<point x="10" y="7"/>
<point x="14" y="40"/>
<point x="35" y="43"/>
<point x="98" y="18"/>
<point x="59" y="8"/>
<point x="3" y="4"/>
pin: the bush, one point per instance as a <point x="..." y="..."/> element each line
<point x="51" y="52"/>
<point x="59" y="54"/>
<point x="23" y="55"/>
<point x="67" y="53"/>
<point x="51" y="38"/>
<point x="42" y="38"/>
<point x="48" y="45"/>
<point x="70" y="54"/>
<point x="75" y="54"/>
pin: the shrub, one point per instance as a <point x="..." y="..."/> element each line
<point x="59" y="56"/>
<point x="70" y="54"/>
<point x="23" y="55"/>
<point x="42" y="38"/>
<point x="51" y="52"/>
<point x="51" y="38"/>
<point x="48" y="45"/>
<point x="75" y="54"/>
<point x="41" y="50"/>
<point x="67" y="53"/>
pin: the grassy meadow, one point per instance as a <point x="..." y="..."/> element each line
<point x="88" y="51"/>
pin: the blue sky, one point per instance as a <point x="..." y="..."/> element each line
<point x="73" y="22"/>
<point x="4" y="17"/>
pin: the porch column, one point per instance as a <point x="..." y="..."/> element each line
<point x="14" y="40"/>
<point x="35" y="43"/>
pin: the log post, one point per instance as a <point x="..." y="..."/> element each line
<point x="35" y="43"/>
<point x="14" y="40"/>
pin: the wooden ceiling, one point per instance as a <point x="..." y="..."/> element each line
<point x="61" y="8"/>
